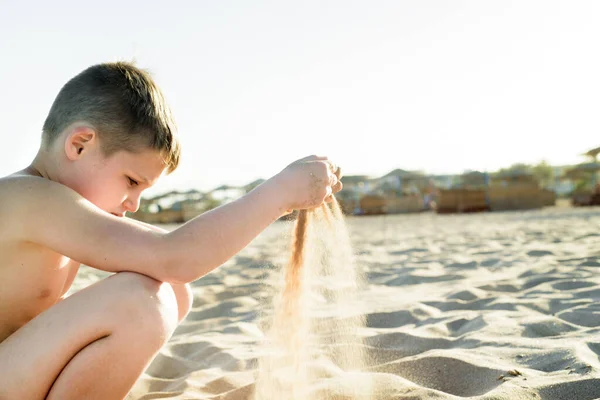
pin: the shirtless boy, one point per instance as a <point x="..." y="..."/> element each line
<point x="107" y="138"/>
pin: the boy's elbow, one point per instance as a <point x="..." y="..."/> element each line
<point x="177" y="266"/>
<point x="170" y="269"/>
<point x="163" y="263"/>
<point x="177" y="273"/>
<point x="183" y="271"/>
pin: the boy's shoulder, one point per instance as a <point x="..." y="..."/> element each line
<point x="14" y="185"/>
<point x="23" y="196"/>
<point x="17" y="185"/>
<point x="22" y="188"/>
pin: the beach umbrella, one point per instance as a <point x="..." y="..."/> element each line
<point x="583" y="171"/>
<point x="592" y="153"/>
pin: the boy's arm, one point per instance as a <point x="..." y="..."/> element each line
<point x="55" y="216"/>
<point x="153" y="228"/>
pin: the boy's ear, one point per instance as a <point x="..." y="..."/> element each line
<point x="79" y="140"/>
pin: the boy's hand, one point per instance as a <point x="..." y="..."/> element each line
<point x="309" y="182"/>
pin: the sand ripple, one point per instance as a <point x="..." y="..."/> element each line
<point x="488" y="307"/>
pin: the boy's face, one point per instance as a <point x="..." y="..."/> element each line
<point x="115" y="184"/>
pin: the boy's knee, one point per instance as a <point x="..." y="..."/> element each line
<point x="147" y="304"/>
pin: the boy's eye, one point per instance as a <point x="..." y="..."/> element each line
<point x="132" y="182"/>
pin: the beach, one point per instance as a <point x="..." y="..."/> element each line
<point x="480" y="306"/>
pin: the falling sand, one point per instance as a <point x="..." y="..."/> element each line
<point x="315" y="317"/>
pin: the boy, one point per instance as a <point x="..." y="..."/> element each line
<point x="108" y="136"/>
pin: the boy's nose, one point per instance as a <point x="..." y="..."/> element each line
<point x="132" y="203"/>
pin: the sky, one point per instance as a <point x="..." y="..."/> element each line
<point x="434" y="85"/>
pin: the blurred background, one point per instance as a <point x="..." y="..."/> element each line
<point x="429" y="105"/>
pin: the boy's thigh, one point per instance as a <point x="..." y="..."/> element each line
<point x="34" y="356"/>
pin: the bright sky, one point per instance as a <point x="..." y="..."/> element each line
<point x="375" y="85"/>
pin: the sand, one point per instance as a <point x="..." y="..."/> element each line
<point x="487" y="306"/>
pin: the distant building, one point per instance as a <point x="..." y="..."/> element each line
<point x="225" y="194"/>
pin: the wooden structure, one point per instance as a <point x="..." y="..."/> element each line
<point x="518" y="197"/>
<point x="518" y="191"/>
<point x="395" y="193"/>
<point x="461" y="200"/>
<point x="582" y="198"/>
<point x="403" y="191"/>
<point x="548" y="197"/>
<point x="404" y="204"/>
<point x="372" y="204"/>
<point x="507" y="191"/>
<point x="349" y="197"/>
<point x="588" y="194"/>
<point x="469" y="196"/>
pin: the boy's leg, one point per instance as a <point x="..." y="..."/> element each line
<point x="93" y="345"/>
<point x="185" y="298"/>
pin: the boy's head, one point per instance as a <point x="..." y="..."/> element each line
<point x="123" y="104"/>
<point x="111" y="119"/>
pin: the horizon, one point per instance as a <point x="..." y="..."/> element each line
<point x="368" y="177"/>
<point x="430" y="85"/>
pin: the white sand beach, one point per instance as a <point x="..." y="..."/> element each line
<point x="483" y="306"/>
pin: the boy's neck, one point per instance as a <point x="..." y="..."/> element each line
<point x="42" y="167"/>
